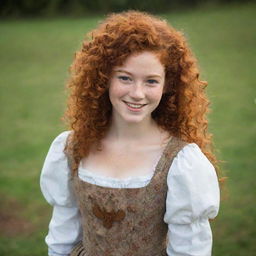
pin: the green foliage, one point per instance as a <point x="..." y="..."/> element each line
<point x="80" y="7"/>
<point x="35" y="56"/>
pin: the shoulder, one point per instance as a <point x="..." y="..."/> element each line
<point x="58" y="144"/>
<point x="61" y="138"/>
<point x="193" y="169"/>
<point x="190" y="158"/>
<point x="193" y="188"/>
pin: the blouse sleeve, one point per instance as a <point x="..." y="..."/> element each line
<point x="192" y="199"/>
<point x="65" y="226"/>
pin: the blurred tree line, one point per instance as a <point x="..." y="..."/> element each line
<point x="74" y="7"/>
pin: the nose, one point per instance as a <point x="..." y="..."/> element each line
<point x="137" y="91"/>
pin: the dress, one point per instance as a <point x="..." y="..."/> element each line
<point x="193" y="198"/>
<point x="115" y="222"/>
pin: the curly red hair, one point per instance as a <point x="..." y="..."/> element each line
<point x="184" y="105"/>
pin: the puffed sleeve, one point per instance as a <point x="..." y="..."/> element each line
<point x="65" y="226"/>
<point x="192" y="199"/>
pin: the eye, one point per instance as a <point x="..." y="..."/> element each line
<point x="152" y="81"/>
<point x="124" y="78"/>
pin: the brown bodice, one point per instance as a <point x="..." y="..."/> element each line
<point x="126" y="221"/>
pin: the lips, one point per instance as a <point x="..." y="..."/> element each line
<point x="134" y="105"/>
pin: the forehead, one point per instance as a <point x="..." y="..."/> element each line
<point x="146" y="62"/>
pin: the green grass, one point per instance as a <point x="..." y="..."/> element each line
<point x="34" y="59"/>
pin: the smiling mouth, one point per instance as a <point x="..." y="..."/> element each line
<point x="134" y="105"/>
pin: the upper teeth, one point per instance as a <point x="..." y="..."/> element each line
<point x="134" y="105"/>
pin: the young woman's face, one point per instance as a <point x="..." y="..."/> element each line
<point x="136" y="87"/>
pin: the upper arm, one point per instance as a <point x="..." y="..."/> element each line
<point x="193" y="189"/>
<point x="55" y="176"/>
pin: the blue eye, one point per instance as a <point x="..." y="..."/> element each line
<point x="152" y="81"/>
<point x="124" y="78"/>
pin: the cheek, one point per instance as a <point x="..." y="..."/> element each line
<point x="116" y="91"/>
<point x="156" y="94"/>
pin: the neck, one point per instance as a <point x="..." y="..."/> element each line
<point x="123" y="131"/>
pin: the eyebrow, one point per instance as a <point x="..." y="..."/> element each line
<point x="124" y="71"/>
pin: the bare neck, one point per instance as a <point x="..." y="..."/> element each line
<point x="135" y="133"/>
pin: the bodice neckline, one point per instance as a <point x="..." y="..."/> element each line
<point x="156" y="168"/>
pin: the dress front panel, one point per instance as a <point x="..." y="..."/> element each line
<point x="126" y="221"/>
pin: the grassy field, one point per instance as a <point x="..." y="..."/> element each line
<point x="34" y="60"/>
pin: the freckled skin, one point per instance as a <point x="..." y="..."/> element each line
<point x="139" y="80"/>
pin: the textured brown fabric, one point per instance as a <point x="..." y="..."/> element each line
<point x="79" y="250"/>
<point x="126" y="221"/>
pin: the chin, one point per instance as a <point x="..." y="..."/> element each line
<point x="133" y="120"/>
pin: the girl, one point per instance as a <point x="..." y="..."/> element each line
<point x="135" y="174"/>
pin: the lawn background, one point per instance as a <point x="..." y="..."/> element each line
<point x="35" y="56"/>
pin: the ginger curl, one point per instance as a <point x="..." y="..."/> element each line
<point x="184" y="105"/>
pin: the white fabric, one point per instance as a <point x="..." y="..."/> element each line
<point x="192" y="199"/>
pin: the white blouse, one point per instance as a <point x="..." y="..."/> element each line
<point x="192" y="199"/>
